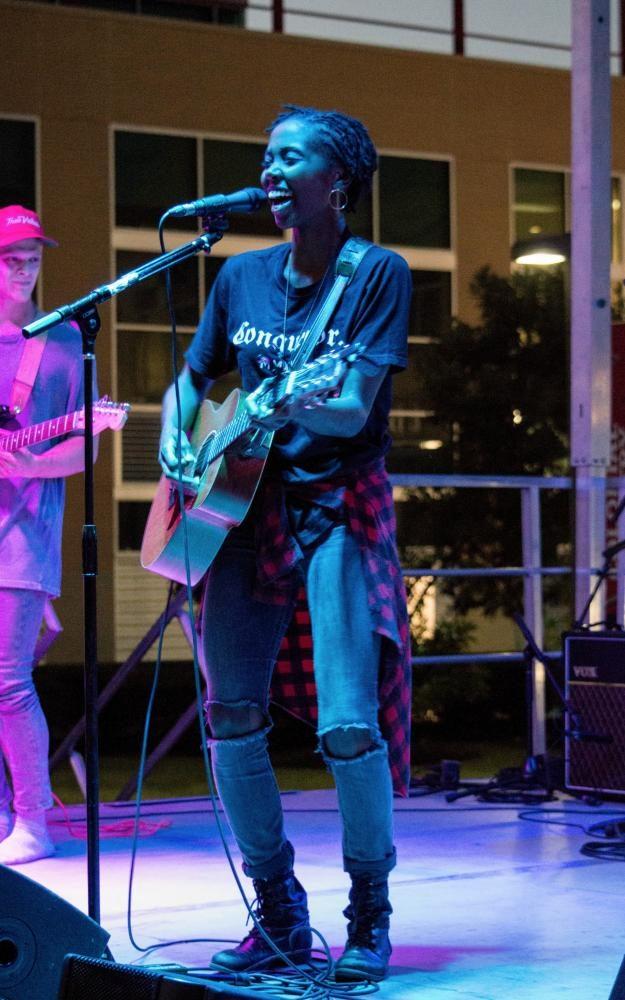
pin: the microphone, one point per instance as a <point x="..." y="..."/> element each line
<point x="247" y="200"/>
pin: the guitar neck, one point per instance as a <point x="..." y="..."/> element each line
<point x="214" y="446"/>
<point x="318" y="378"/>
<point x="36" y="433"/>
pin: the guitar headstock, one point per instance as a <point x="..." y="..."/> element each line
<point x="312" y="383"/>
<point x="328" y="371"/>
<point x="106" y="414"/>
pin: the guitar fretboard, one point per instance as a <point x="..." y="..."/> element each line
<point x="215" y="446"/>
<point x="36" y="433"/>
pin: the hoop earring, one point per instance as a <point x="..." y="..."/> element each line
<point x="338" y="199"/>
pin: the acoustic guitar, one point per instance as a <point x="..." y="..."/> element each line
<point x="231" y="449"/>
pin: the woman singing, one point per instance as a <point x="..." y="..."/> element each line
<point x="322" y="516"/>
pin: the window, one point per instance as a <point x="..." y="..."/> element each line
<point x="414" y="202"/>
<point x="539" y="203"/>
<point x="17" y="163"/>
<point x="229" y="166"/>
<point x="152" y="172"/>
<point x="414" y="428"/>
<point x="230" y="12"/>
<point x="542" y="206"/>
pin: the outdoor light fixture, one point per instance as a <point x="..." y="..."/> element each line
<point x="541" y="251"/>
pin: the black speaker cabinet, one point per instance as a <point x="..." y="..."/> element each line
<point x="96" y="979"/>
<point x="594" y="665"/>
<point x="37" y="929"/>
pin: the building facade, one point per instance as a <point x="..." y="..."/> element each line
<point x="106" y="119"/>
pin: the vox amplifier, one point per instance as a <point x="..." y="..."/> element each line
<point x="594" y="664"/>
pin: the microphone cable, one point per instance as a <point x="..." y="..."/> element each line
<point x="297" y="979"/>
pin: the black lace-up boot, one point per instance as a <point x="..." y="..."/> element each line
<point x="281" y="909"/>
<point x="368" y="948"/>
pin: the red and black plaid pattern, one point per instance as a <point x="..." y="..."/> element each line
<point x="367" y="499"/>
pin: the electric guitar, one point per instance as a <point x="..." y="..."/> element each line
<point x="230" y="449"/>
<point x="105" y="414"/>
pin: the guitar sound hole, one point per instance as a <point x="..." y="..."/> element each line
<point x="203" y="460"/>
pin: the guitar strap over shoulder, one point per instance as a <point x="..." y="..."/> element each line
<point x="348" y="260"/>
<point x="26" y="373"/>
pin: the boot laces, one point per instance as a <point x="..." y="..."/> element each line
<point x="367" y="913"/>
<point x="273" y="909"/>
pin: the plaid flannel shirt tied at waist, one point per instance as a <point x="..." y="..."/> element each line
<point x="365" y="502"/>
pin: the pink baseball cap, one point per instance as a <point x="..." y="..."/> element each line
<point x="19" y="223"/>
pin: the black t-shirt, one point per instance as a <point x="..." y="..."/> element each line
<point x="250" y="324"/>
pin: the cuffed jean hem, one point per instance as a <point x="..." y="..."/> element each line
<point x="380" y="867"/>
<point x="282" y="864"/>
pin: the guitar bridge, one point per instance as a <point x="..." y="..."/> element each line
<point x="257" y="445"/>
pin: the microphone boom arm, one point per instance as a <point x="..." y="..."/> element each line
<point x="102" y="293"/>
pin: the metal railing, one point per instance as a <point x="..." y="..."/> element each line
<point x="532" y="572"/>
<point x="454" y="31"/>
<point x="281" y="16"/>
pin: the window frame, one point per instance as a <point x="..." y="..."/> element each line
<point x="617" y="269"/>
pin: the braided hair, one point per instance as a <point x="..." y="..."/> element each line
<point x="346" y="140"/>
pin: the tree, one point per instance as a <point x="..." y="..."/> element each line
<point x="499" y="391"/>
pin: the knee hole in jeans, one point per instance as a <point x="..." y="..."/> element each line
<point x="347" y="741"/>
<point x="229" y="721"/>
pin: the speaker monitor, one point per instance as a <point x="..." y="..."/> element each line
<point x="37" y="929"/>
<point x="595" y="690"/>
<point x="96" y="979"/>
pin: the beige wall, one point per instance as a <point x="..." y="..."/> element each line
<point x="79" y="70"/>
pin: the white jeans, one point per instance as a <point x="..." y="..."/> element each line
<point x="24" y="739"/>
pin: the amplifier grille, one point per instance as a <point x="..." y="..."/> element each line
<point x="595" y="690"/>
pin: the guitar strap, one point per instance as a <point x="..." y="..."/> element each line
<point x="348" y="260"/>
<point x="26" y="373"/>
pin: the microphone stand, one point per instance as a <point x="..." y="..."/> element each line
<point x="85" y="313"/>
<point x="524" y="783"/>
<point x="608" y="555"/>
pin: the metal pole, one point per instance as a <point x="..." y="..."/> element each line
<point x="533" y="613"/>
<point x="459" y="27"/>
<point x="278" y="16"/>
<point x="590" y="287"/>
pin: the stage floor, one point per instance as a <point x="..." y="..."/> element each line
<point x="487" y="904"/>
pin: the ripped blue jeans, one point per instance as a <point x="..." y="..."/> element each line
<point x="241" y="640"/>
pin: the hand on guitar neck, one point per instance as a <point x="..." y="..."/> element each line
<point x="184" y="456"/>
